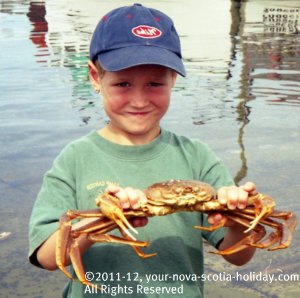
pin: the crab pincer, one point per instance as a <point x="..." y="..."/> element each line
<point x="110" y="207"/>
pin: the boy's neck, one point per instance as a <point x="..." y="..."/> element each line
<point x="127" y="138"/>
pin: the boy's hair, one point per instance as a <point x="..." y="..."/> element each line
<point x="100" y="69"/>
<point x="136" y="35"/>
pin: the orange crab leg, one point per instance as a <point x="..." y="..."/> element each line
<point x="291" y="222"/>
<point x="269" y="241"/>
<point x="263" y="205"/>
<point x="287" y="228"/>
<point x="65" y="234"/>
<point x="142" y="254"/>
<point x="97" y="237"/>
<point x="137" y="250"/>
<point x="77" y="264"/>
<point x="212" y="228"/>
<point x="290" y="218"/>
<point x="102" y="224"/>
<point x="110" y="207"/>
<point x="258" y="233"/>
<point x="63" y="244"/>
<point x="283" y="231"/>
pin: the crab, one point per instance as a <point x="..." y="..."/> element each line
<point x="166" y="198"/>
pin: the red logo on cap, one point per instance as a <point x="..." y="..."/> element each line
<point x="146" y="31"/>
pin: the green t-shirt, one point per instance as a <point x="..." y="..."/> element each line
<point x="85" y="167"/>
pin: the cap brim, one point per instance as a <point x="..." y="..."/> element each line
<point x="122" y="58"/>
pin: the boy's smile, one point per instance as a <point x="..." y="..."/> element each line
<point x="135" y="99"/>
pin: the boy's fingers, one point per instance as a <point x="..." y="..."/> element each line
<point x="123" y="197"/>
<point x="112" y="189"/>
<point x="222" y="195"/>
<point x="236" y="197"/>
<point x="136" y="198"/>
<point x="250" y="187"/>
<point x="232" y="197"/>
<point x="129" y="197"/>
<point x="133" y="197"/>
<point x="139" y="221"/>
<point x="120" y="193"/>
<point x="242" y="198"/>
<point x="214" y="218"/>
<point x="142" y="197"/>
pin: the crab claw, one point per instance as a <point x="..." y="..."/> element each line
<point x="286" y="229"/>
<point x="111" y="208"/>
<point x="264" y="206"/>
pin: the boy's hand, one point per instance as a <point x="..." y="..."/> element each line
<point x="234" y="197"/>
<point x="130" y="198"/>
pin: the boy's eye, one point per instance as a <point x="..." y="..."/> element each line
<point x="123" y="84"/>
<point x="155" y="84"/>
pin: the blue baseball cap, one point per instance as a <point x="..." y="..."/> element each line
<point x="136" y="35"/>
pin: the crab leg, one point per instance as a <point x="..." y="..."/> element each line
<point x="137" y="250"/>
<point x="283" y="231"/>
<point x="65" y="234"/>
<point x="142" y="254"/>
<point x="287" y="228"/>
<point x="257" y="234"/>
<point x="264" y="206"/>
<point x="97" y="237"/>
<point x="77" y="264"/>
<point x="63" y="244"/>
<point x="102" y="224"/>
<point x="269" y="241"/>
<point x="290" y="218"/>
<point x="212" y="228"/>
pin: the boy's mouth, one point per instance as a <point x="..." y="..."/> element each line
<point x="139" y="113"/>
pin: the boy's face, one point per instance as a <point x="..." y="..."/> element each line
<point x="135" y="99"/>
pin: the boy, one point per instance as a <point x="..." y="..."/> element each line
<point x="135" y="57"/>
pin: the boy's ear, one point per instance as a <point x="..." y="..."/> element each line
<point x="94" y="75"/>
<point x="174" y="77"/>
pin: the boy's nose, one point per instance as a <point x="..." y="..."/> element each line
<point x="139" y="99"/>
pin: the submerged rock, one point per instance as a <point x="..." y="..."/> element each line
<point x="4" y="235"/>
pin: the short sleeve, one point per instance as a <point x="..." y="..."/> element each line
<point x="57" y="195"/>
<point x="214" y="172"/>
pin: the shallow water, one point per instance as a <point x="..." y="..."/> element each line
<point x="241" y="95"/>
